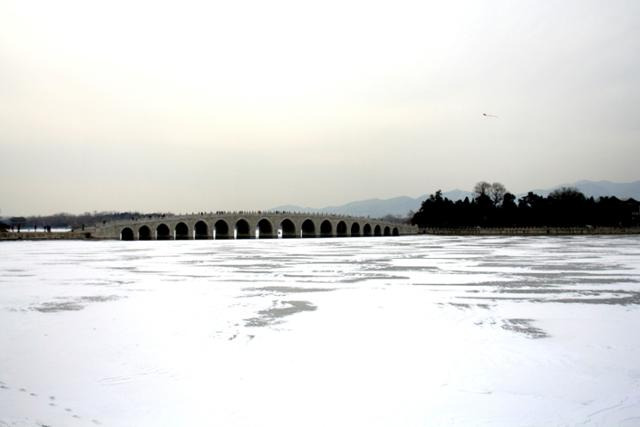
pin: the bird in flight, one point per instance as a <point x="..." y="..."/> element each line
<point x="489" y="115"/>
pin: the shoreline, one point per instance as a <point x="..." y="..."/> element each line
<point x="531" y="231"/>
<point x="43" y="235"/>
<point x="466" y="231"/>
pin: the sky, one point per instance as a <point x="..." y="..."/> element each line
<point x="203" y="105"/>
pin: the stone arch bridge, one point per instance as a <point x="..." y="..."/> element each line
<point x="247" y="225"/>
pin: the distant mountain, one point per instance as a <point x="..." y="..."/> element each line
<point x="400" y="206"/>
<point x="595" y="189"/>
<point x="377" y="208"/>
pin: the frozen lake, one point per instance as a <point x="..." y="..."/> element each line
<point x="403" y="331"/>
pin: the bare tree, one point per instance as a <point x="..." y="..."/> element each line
<point x="497" y="192"/>
<point x="567" y="193"/>
<point x="481" y="188"/>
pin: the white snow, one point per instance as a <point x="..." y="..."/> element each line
<point x="403" y="331"/>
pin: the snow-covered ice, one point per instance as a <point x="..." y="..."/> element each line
<point x="403" y="331"/>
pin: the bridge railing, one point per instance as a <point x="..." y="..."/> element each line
<point x="244" y="212"/>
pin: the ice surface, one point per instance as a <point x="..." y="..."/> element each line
<point x="403" y="331"/>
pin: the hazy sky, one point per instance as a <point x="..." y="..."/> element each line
<point x="189" y="106"/>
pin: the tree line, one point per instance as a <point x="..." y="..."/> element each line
<point x="67" y="220"/>
<point x="493" y="206"/>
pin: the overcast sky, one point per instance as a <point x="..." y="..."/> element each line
<point x="189" y="106"/>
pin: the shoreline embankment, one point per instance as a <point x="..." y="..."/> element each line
<point x="459" y="231"/>
<point x="43" y="235"/>
<point x="530" y="231"/>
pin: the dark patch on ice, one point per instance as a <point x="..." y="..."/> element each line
<point x="110" y="283"/>
<point x="581" y="292"/>
<point x="459" y="305"/>
<point x="14" y="275"/>
<point x="473" y="284"/>
<point x="356" y="279"/>
<point x="191" y="276"/>
<point x="139" y="271"/>
<point x="279" y="310"/>
<point x="549" y="265"/>
<point x="337" y="262"/>
<point x="628" y="298"/>
<point x="289" y="289"/>
<point x="287" y="258"/>
<point x="430" y="269"/>
<point x="299" y="276"/>
<point x="582" y="280"/>
<point x="250" y="267"/>
<point x="633" y="299"/>
<point x="570" y="274"/>
<point x="73" y="305"/>
<point x="577" y="266"/>
<point x="523" y="326"/>
<point x="53" y="307"/>
<point x="466" y="306"/>
<point x="230" y="280"/>
<point x="100" y="298"/>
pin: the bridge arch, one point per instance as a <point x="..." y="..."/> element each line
<point x="355" y="230"/>
<point x="341" y="229"/>
<point x="308" y="228"/>
<point x="163" y="232"/>
<point x="265" y="229"/>
<point x="126" y="234"/>
<point x="182" y="231"/>
<point x="326" y="229"/>
<point x="202" y="230"/>
<point x="221" y="229"/>
<point x="265" y="224"/>
<point x="243" y="231"/>
<point x="144" y="233"/>
<point x="288" y="229"/>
